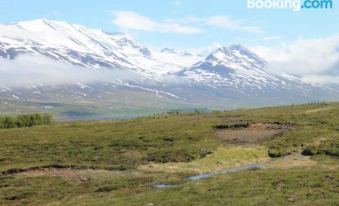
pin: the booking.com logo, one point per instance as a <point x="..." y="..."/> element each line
<point x="295" y="5"/>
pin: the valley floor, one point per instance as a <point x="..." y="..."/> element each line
<point x="268" y="156"/>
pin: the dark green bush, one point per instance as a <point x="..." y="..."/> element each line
<point x="25" y="120"/>
<point x="278" y="151"/>
<point x="330" y="147"/>
<point x="310" y="151"/>
<point x="232" y="125"/>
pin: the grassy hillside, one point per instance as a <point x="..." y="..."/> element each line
<point x="120" y="162"/>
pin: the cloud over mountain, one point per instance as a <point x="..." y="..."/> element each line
<point x="185" y="25"/>
<point x="304" y="56"/>
<point x="27" y="70"/>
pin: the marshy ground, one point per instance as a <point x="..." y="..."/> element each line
<point x="251" y="133"/>
<point x="120" y="162"/>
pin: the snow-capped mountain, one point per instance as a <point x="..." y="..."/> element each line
<point x="79" y="45"/>
<point x="228" y="77"/>
<point x="235" y="72"/>
<point x="235" y="67"/>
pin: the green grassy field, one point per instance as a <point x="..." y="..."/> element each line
<point x="120" y="162"/>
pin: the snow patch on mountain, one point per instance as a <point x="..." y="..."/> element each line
<point x="78" y="45"/>
<point x="228" y="73"/>
<point x="237" y="68"/>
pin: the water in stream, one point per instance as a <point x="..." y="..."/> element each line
<point x="253" y="166"/>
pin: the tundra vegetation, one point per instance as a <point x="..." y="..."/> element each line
<point x="121" y="162"/>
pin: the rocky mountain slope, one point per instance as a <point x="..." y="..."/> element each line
<point x="230" y="76"/>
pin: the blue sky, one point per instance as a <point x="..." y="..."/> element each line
<point x="182" y="23"/>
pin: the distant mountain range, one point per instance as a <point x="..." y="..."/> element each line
<point x="81" y="46"/>
<point x="231" y="76"/>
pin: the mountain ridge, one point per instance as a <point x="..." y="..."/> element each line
<point x="77" y="45"/>
<point x="228" y="76"/>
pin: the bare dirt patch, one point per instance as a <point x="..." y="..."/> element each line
<point x="252" y="134"/>
<point x="67" y="173"/>
<point x="291" y="161"/>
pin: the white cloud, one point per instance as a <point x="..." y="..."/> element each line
<point x="186" y="25"/>
<point x="304" y="56"/>
<point x="134" y="21"/>
<point x="231" y="24"/>
<point x="29" y="70"/>
<point x="207" y="51"/>
<point x="321" y="79"/>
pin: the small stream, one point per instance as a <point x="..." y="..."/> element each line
<point x="252" y="166"/>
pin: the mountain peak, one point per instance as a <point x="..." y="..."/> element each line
<point x="42" y="24"/>
<point x="74" y="44"/>
<point x="238" y="47"/>
<point x="235" y="54"/>
<point x="175" y="51"/>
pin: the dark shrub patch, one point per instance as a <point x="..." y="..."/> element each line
<point x="277" y="152"/>
<point x="25" y="120"/>
<point x="310" y="151"/>
<point x="232" y="125"/>
<point x="205" y="152"/>
<point x="105" y="189"/>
